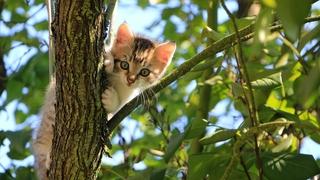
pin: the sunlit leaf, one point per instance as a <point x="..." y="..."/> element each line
<point x="289" y="166"/>
<point x="271" y="81"/>
<point x="220" y="135"/>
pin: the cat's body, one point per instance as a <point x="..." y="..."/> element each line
<point x="132" y="64"/>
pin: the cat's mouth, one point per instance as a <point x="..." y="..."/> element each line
<point x="130" y="84"/>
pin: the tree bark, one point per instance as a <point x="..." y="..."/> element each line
<point x="78" y="35"/>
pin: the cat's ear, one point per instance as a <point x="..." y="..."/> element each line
<point x="124" y="35"/>
<point x="164" y="52"/>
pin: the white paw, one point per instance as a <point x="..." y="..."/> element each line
<point x="110" y="100"/>
<point x="108" y="62"/>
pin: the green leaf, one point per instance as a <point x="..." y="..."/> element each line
<point x="266" y="113"/>
<point x="14" y="89"/>
<point x="261" y="27"/>
<point x="207" y="64"/>
<point x="307" y="37"/>
<point x="43" y="25"/>
<point x="18" y="141"/>
<point x="25" y="173"/>
<point x="271" y="81"/>
<point x="24" y="37"/>
<point x="207" y="32"/>
<point x="169" y="28"/>
<point x="20" y="116"/>
<point x="220" y="135"/>
<point x="289" y="166"/>
<point x="308" y="90"/>
<point x="174" y="143"/>
<point x="191" y="76"/>
<point x="214" y="80"/>
<point x="241" y="23"/>
<point x="2" y="137"/>
<point x="292" y="14"/>
<point x="158" y="174"/>
<point x="199" y="165"/>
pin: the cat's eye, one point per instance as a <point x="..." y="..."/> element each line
<point x="144" y="72"/>
<point x="124" y="65"/>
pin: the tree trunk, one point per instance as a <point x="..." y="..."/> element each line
<point x="78" y="35"/>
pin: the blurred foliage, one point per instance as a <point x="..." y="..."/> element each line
<point x="155" y="142"/>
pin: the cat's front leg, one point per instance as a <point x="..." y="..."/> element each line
<point x="110" y="100"/>
<point x="108" y="61"/>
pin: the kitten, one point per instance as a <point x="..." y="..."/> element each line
<point x="135" y="64"/>
<point x="132" y="63"/>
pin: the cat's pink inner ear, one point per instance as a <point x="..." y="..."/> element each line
<point x="165" y="51"/>
<point x="124" y="34"/>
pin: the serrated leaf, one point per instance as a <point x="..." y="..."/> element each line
<point x="220" y="135"/>
<point x="271" y="81"/>
<point x="289" y="166"/>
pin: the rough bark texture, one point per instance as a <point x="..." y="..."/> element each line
<point x="77" y="147"/>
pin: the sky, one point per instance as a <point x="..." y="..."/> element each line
<point x="138" y="19"/>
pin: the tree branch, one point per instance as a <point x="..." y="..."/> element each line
<point x="218" y="46"/>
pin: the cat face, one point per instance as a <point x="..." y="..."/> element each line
<point x="138" y="61"/>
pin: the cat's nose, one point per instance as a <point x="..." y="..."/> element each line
<point x="131" y="79"/>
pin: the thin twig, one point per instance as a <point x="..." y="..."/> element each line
<point x="245" y="134"/>
<point x="253" y="114"/>
<point x="218" y="46"/>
